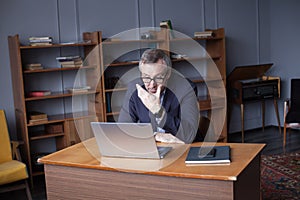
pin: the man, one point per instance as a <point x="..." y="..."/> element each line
<point x="163" y="97"/>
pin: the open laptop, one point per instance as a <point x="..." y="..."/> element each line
<point x="130" y="140"/>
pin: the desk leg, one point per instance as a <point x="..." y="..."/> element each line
<point x="263" y="114"/>
<point x="277" y="114"/>
<point x="242" y="121"/>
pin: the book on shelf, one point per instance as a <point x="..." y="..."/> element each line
<point x="40" y="41"/>
<point x="208" y="155"/>
<point x="67" y="58"/>
<point x="70" y="61"/>
<point x="33" y="66"/>
<point x="39" y="38"/>
<point x="37" y="117"/>
<point x="203" y="34"/>
<point x="78" y="89"/>
<point x="36" y="121"/>
<point x="75" y="63"/>
<point x="41" y="44"/>
<point x="39" y="93"/>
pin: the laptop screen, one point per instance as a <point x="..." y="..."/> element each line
<point x="134" y="140"/>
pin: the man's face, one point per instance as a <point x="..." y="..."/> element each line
<point x="153" y="75"/>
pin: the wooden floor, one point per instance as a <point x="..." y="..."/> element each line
<point x="269" y="136"/>
<point x="272" y="138"/>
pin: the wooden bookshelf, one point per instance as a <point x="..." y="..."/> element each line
<point x="56" y="104"/>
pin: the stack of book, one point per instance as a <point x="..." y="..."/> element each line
<point x="70" y="61"/>
<point x="37" y="117"/>
<point x="33" y="66"/>
<point x="40" y="41"/>
<point x="203" y="34"/>
<point x="78" y="89"/>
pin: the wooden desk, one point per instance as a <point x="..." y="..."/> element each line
<point x="74" y="173"/>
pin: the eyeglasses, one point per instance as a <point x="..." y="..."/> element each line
<point x="158" y="80"/>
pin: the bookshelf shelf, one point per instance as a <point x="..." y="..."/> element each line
<point x="64" y="117"/>
<point x="59" y="45"/>
<point x="137" y="41"/>
<point x="118" y="64"/>
<point x="57" y="69"/>
<point x="115" y="90"/>
<point x="55" y="95"/>
<point x="43" y="135"/>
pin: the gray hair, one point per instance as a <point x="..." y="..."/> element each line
<point x="153" y="56"/>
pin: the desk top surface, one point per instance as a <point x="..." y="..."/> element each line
<point x="86" y="155"/>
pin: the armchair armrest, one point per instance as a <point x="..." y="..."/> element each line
<point x="15" y="149"/>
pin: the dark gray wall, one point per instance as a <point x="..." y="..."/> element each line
<point x="257" y="31"/>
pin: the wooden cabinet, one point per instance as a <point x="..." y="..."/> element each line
<point x="203" y="61"/>
<point x="67" y="112"/>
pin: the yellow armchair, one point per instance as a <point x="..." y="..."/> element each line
<point x="13" y="173"/>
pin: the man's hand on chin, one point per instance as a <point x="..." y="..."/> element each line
<point x="151" y="101"/>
